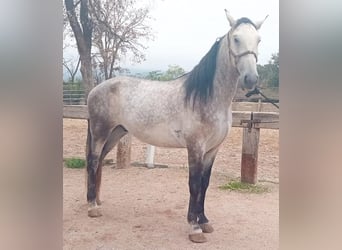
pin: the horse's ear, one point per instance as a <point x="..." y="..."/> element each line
<point x="259" y="23"/>
<point x="230" y="19"/>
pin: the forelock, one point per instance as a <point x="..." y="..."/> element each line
<point x="243" y="20"/>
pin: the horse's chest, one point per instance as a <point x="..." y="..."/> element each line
<point x="218" y="130"/>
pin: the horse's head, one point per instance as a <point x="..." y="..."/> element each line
<point x="243" y="40"/>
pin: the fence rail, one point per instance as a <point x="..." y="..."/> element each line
<point x="73" y="97"/>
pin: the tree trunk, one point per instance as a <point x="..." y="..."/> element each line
<point x="87" y="75"/>
<point x="75" y="71"/>
<point x="83" y="36"/>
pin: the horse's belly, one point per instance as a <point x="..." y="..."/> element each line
<point x="161" y="136"/>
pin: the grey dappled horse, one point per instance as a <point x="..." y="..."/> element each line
<point x="192" y="112"/>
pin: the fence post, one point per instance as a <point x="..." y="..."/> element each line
<point x="249" y="158"/>
<point x="150" y="155"/>
<point x="259" y="105"/>
<point x="123" y="154"/>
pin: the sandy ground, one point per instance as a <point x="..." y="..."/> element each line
<point x="146" y="208"/>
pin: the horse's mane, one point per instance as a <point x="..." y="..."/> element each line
<point x="199" y="82"/>
<point x="243" y="20"/>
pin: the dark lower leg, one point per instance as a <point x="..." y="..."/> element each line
<point x="195" y="191"/>
<point x="93" y="187"/>
<point x="205" y="183"/>
<point x="98" y="183"/>
<point x="195" y="186"/>
<point x="92" y="165"/>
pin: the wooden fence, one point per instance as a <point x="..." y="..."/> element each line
<point x="251" y="122"/>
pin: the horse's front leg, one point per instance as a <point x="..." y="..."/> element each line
<point x="196" y="168"/>
<point x="199" y="176"/>
<point x="202" y="219"/>
<point x="195" y="186"/>
<point x="208" y="161"/>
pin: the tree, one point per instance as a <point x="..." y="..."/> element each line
<point x="113" y="28"/>
<point x="275" y="59"/>
<point x="269" y="73"/>
<point x="274" y="76"/>
<point x="155" y="75"/>
<point x="119" y="27"/>
<point x="69" y="65"/>
<point x="173" y="72"/>
<point x="82" y="27"/>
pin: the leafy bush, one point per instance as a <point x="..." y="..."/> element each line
<point x="75" y="163"/>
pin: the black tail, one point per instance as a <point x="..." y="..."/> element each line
<point x="88" y="145"/>
<point x="88" y="158"/>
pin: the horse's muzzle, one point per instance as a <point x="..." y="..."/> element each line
<point x="250" y="81"/>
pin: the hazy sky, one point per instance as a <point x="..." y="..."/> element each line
<point x="185" y="30"/>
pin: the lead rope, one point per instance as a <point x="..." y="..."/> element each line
<point x="257" y="91"/>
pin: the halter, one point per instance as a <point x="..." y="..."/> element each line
<point x="238" y="56"/>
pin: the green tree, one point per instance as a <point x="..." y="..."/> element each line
<point x="274" y="77"/>
<point x="173" y="72"/>
<point x="155" y="75"/>
<point x="269" y="73"/>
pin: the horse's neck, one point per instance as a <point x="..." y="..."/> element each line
<point x="226" y="75"/>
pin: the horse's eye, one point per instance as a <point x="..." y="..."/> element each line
<point x="259" y="40"/>
<point x="236" y="40"/>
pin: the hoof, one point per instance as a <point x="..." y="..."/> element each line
<point x="206" y="228"/>
<point x="198" y="238"/>
<point x="94" y="212"/>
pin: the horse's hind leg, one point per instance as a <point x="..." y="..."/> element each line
<point x="112" y="140"/>
<point x="96" y="139"/>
